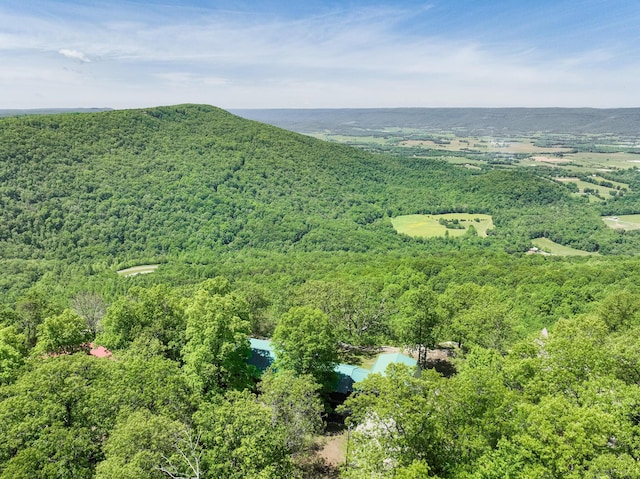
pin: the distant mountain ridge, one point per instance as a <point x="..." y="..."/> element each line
<point x="479" y="121"/>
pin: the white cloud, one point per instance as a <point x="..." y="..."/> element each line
<point x="355" y="58"/>
<point x="74" y="55"/>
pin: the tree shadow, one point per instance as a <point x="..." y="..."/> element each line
<point x="355" y="355"/>
<point x="443" y="366"/>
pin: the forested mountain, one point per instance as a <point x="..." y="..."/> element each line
<point x="191" y="179"/>
<point x="264" y="232"/>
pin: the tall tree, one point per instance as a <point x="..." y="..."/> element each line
<point x="32" y="309"/>
<point x="91" y="307"/>
<point x="217" y="347"/>
<point x="147" y="446"/>
<point x="305" y="343"/>
<point x="390" y="419"/>
<point x="63" y="334"/>
<point x="417" y="320"/>
<point x="154" y="312"/>
<point x="240" y="440"/>
<point x="295" y="406"/>
<point x="12" y="352"/>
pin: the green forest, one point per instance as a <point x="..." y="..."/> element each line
<point x="258" y="232"/>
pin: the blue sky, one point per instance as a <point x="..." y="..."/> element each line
<point x="319" y="54"/>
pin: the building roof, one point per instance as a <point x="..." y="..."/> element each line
<point x="383" y="361"/>
<point x="99" y="351"/>
<point x="348" y="375"/>
<point x="263" y="355"/>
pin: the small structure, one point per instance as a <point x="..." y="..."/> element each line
<point x="348" y="375"/>
<point x="383" y="361"/>
<point x="263" y="355"/>
<point x="99" y="351"/>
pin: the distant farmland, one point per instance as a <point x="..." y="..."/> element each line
<point x="551" y="247"/>
<point x="428" y="226"/>
<point x="624" y="222"/>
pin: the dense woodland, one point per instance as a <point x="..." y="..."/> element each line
<point x="267" y="233"/>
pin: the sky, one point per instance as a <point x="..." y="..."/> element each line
<point x="320" y="54"/>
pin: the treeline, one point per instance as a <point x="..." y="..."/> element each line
<point x="179" y="396"/>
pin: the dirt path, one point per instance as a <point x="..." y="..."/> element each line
<point x="333" y="449"/>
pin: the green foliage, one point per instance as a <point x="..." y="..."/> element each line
<point x="141" y="445"/>
<point x="145" y="379"/>
<point x="12" y="352"/>
<point x="54" y="417"/>
<point x="150" y="313"/>
<point x="478" y="316"/>
<point x="357" y="309"/>
<point x="418" y="319"/>
<point x="64" y="333"/>
<point x="619" y="310"/>
<point x="241" y="441"/>
<point x="391" y="414"/>
<point x="305" y="343"/>
<point x="32" y="309"/>
<point x="295" y="406"/>
<point x="215" y="355"/>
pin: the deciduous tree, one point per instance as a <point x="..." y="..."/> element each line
<point x="305" y="343"/>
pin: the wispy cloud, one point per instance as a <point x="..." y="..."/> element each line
<point x="399" y="54"/>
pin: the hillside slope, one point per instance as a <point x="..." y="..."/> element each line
<point x="189" y="178"/>
<point x="190" y="181"/>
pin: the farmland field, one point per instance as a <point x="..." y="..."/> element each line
<point x="603" y="191"/>
<point x="625" y="222"/>
<point x="551" y="247"/>
<point x="427" y="226"/>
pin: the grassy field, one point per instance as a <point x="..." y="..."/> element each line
<point x="142" y="269"/>
<point x="606" y="160"/>
<point x="614" y="183"/>
<point x="625" y="222"/>
<point x="428" y="226"/>
<point x="582" y="185"/>
<point x="556" y="249"/>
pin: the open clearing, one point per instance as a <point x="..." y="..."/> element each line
<point x="142" y="269"/>
<point x="428" y="226"/>
<point x="623" y="222"/>
<point x="606" y="160"/>
<point x="591" y="188"/>
<point x="545" y="244"/>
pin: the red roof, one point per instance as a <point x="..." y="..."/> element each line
<point x="99" y="351"/>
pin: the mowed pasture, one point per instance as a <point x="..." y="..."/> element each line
<point x="551" y="247"/>
<point x="623" y="222"/>
<point x="142" y="269"/>
<point x="591" y="187"/>
<point x="429" y="226"/>
<point x="618" y="160"/>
